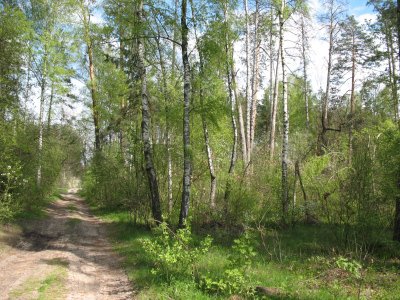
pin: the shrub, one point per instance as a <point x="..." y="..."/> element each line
<point x="173" y="253"/>
<point x="235" y="279"/>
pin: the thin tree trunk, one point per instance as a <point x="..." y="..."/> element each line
<point x="285" y="140"/>
<point x="396" y="229"/>
<point x="28" y="86"/>
<point x="248" y="100"/>
<point x="352" y="98"/>
<point x="167" y="95"/>
<point x="308" y="217"/>
<point x="50" y="107"/>
<point x="187" y="155"/>
<point x="395" y="79"/>
<point x="146" y="127"/>
<point x="398" y="29"/>
<point x="93" y="88"/>
<point x="271" y="61"/>
<point x="305" y="77"/>
<point x="41" y="112"/>
<point x="242" y="130"/>
<point x="255" y="81"/>
<point x="230" y="77"/>
<point x="392" y="81"/>
<point x="213" y="177"/>
<point x="123" y="101"/>
<point x="274" y="108"/>
<point x="323" y="141"/>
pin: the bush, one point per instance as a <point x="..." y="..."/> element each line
<point x="173" y="254"/>
<point x="235" y="279"/>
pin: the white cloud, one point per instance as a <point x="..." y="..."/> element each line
<point x="363" y="18"/>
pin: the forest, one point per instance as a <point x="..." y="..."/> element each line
<point x="232" y="149"/>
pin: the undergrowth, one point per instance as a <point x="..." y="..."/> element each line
<point x="297" y="263"/>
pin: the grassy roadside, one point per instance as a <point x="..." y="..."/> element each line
<point x="37" y="210"/>
<point x="11" y="231"/>
<point x="295" y="264"/>
<point x="50" y="286"/>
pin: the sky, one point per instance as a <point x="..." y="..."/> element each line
<point x="319" y="47"/>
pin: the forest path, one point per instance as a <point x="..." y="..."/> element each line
<point x="65" y="256"/>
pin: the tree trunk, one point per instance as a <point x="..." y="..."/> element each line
<point x="187" y="155"/>
<point x="255" y="82"/>
<point x="123" y="100"/>
<point x="213" y="177"/>
<point x="242" y="131"/>
<point x="146" y="125"/>
<point x="323" y="142"/>
<point x="352" y="98"/>
<point x="305" y="77"/>
<point x="274" y="108"/>
<point x="398" y="29"/>
<point x="230" y="77"/>
<point x="396" y="228"/>
<point x="308" y="218"/>
<point x="285" y="140"/>
<point x="395" y="80"/>
<point x="167" y="94"/>
<point x="50" y="107"/>
<point x="41" y="112"/>
<point x="392" y="80"/>
<point x="271" y="61"/>
<point x="93" y="88"/>
<point x="248" y="100"/>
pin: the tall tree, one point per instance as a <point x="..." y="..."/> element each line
<point x="88" y="40"/>
<point x="187" y="151"/>
<point x="332" y="18"/>
<point x="352" y="48"/>
<point x="230" y="75"/>
<point x="210" y="160"/>
<point x="146" y="126"/>
<point x="255" y="77"/>
<point x="285" y="118"/>
<point x="248" y="88"/>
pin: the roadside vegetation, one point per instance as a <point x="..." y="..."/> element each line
<point x="302" y="262"/>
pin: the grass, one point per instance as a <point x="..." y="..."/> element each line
<point x="298" y="263"/>
<point x="49" y="287"/>
<point x="36" y="210"/>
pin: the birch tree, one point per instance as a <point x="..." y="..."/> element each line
<point x="187" y="155"/>
<point x="146" y="126"/>
<point x="285" y="118"/>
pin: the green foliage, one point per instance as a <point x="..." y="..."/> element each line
<point x="351" y="266"/>
<point x="235" y="279"/>
<point x="10" y="182"/>
<point x="173" y="254"/>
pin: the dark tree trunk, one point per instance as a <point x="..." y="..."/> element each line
<point x="210" y="160"/>
<point x="352" y="98"/>
<point x="396" y="228"/>
<point x="187" y="155"/>
<point x="146" y="134"/>
<point x="231" y="80"/>
<point x="93" y="89"/>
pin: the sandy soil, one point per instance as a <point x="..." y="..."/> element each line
<point x="70" y="238"/>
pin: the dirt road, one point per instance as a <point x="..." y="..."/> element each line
<point x="65" y="256"/>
